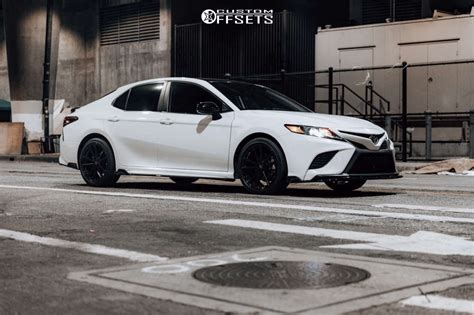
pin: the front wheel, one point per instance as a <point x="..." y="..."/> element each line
<point x="97" y="163"/>
<point x="345" y="185"/>
<point x="262" y="167"/>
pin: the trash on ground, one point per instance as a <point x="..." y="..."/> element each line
<point x="449" y="167"/>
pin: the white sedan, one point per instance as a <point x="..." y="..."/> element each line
<point x="188" y="129"/>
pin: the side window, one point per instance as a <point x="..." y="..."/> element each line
<point x="121" y="101"/>
<point x="184" y="98"/>
<point x="144" y="97"/>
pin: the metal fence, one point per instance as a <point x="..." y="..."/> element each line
<point x="202" y="50"/>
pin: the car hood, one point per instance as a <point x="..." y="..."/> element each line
<point x="335" y="122"/>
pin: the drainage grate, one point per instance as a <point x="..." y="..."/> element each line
<point x="281" y="275"/>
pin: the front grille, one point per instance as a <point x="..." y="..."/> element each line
<point x="370" y="162"/>
<point x="357" y="144"/>
<point x="322" y="159"/>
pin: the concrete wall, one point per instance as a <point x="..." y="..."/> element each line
<point x="78" y="62"/>
<point x="4" y="85"/>
<point x="87" y="70"/>
<point x="126" y="63"/>
<point x="436" y="88"/>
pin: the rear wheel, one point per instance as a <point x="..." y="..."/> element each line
<point x="262" y="167"/>
<point x="345" y="185"/>
<point x="97" y="163"/>
<point x="184" y="181"/>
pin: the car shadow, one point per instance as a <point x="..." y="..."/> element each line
<point x="292" y="191"/>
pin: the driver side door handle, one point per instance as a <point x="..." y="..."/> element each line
<point x="113" y="119"/>
<point x="166" y="121"/>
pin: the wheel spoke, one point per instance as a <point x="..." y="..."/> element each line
<point x="258" y="167"/>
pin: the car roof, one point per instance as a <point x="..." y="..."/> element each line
<point x="183" y="79"/>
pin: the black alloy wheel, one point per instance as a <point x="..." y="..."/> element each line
<point x="97" y="163"/>
<point x="262" y="167"/>
<point x="345" y="185"/>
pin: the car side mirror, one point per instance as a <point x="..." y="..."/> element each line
<point x="209" y="108"/>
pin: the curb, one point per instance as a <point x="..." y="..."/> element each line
<point x="52" y="158"/>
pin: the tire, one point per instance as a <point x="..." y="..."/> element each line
<point x="345" y="185"/>
<point x="184" y="181"/>
<point x="97" y="163"/>
<point x="262" y="168"/>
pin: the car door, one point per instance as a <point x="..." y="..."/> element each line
<point x="133" y="126"/>
<point x="191" y="141"/>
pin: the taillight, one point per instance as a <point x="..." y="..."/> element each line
<point x="69" y="119"/>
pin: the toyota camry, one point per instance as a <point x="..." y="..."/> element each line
<point x="188" y="129"/>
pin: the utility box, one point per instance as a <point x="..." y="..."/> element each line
<point x="11" y="138"/>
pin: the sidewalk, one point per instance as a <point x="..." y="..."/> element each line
<point x="410" y="166"/>
<point x="53" y="158"/>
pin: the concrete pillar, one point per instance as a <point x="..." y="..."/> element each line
<point x="25" y="32"/>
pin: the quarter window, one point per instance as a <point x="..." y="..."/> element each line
<point x="185" y="97"/>
<point x="121" y="101"/>
<point x="144" y="97"/>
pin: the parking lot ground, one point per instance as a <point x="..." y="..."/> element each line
<point x="54" y="229"/>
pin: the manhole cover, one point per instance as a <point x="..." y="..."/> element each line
<point x="281" y="275"/>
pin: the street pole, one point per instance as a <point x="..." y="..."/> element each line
<point x="428" y="134"/>
<point x="330" y="87"/>
<point x="471" y="134"/>
<point x="404" y="111"/>
<point x="46" y="75"/>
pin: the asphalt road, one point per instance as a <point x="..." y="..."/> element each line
<point x="48" y="217"/>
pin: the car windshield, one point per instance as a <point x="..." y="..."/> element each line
<point x="255" y="97"/>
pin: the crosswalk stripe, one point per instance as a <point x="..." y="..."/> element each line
<point x="426" y="208"/>
<point x="441" y="303"/>
<point x="419" y="242"/>
<point x="84" y="247"/>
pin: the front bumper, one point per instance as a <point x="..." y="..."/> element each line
<point x="321" y="178"/>
<point x="366" y="164"/>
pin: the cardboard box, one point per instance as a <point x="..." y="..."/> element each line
<point x="11" y="138"/>
<point x="34" y="147"/>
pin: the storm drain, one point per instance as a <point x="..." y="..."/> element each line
<point x="281" y="275"/>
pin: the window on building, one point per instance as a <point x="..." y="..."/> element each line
<point x="144" y="97"/>
<point x="185" y="97"/>
<point x="127" y="23"/>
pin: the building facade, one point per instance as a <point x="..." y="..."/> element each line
<point x="96" y="47"/>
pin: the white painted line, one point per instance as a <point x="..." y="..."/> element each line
<point x="441" y="303"/>
<point x="426" y="208"/>
<point x="393" y="215"/>
<point x="419" y="242"/>
<point x="84" y="247"/>
<point x="118" y="211"/>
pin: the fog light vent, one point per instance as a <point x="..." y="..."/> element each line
<point x="322" y="159"/>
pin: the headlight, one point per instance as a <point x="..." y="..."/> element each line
<point x="313" y="131"/>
